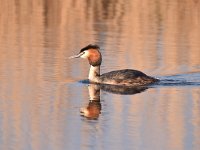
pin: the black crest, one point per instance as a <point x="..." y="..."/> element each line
<point x="90" y="47"/>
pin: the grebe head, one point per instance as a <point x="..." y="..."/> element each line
<point x="92" y="53"/>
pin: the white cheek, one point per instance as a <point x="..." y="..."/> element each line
<point x="85" y="55"/>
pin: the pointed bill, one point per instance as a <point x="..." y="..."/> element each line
<point x="76" y="56"/>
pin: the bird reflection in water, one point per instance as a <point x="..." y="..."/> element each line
<point x="93" y="109"/>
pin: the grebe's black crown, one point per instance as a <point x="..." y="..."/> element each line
<point x="90" y="46"/>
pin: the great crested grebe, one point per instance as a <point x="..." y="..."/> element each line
<point x="126" y="77"/>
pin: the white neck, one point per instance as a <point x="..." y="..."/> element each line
<point x="94" y="74"/>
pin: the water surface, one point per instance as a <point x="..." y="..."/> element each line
<point x="40" y="93"/>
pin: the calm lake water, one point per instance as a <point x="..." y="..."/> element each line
<point x="43" y="106"/>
